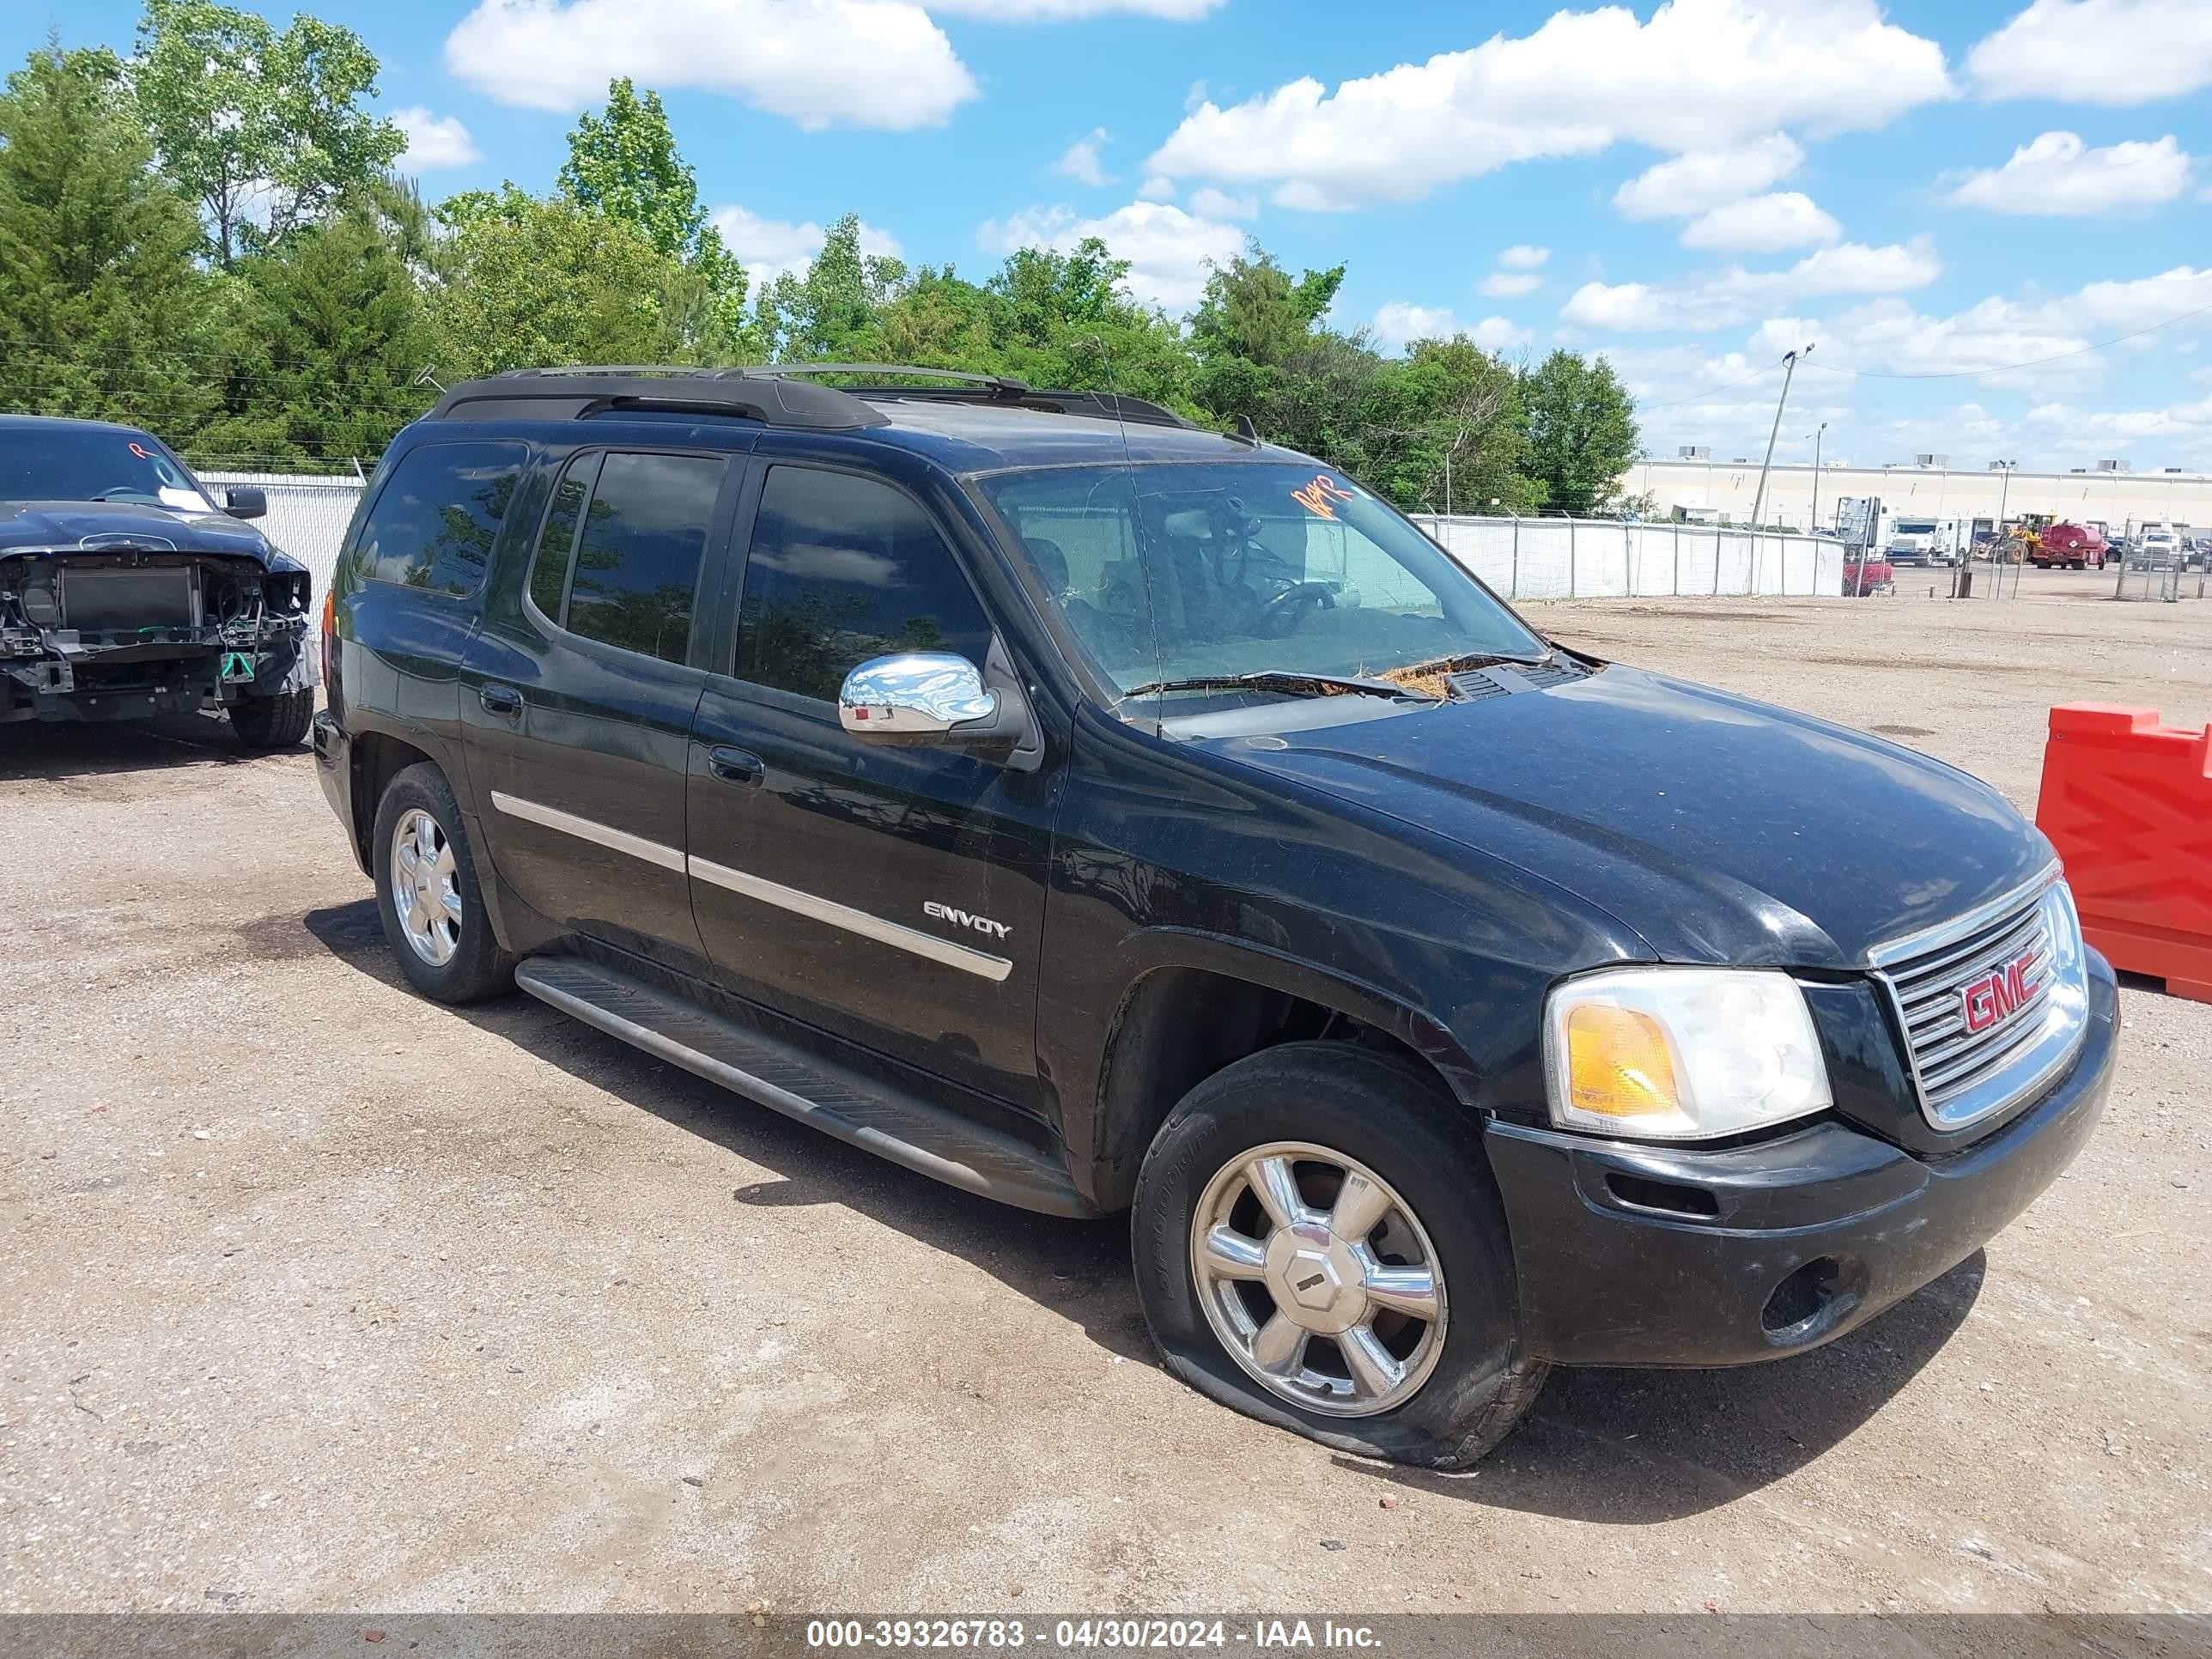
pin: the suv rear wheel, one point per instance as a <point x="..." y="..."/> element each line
<point x="427" y="894"/>
<point x="1320" y="1245"/>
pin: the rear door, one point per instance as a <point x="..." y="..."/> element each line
<point x="894" y="896"/>
<point x="580" y="690"/>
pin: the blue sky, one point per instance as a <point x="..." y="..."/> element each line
<point x="1929" y="193"/>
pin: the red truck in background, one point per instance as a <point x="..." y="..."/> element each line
<point x="2075" y="546"/>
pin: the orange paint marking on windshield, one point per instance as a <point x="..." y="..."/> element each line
<point x="1317" y="496"/>
<point x="141" y="451"/>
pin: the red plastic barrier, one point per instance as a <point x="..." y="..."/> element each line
<point x="2128" y="804"/>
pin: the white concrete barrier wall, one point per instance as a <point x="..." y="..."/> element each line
<point x="1520" y="558"/>
<point x="1604" y="558"/>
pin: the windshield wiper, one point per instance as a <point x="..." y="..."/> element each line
<point x="1465" y="660"/>
<point x="1289" y="682"/>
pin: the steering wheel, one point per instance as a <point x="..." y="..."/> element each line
<point x="1279" y="618"/>
<point x="119" y="489"/>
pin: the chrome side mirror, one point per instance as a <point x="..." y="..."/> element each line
<point x="917" y="694"/>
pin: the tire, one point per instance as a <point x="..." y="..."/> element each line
<point x="473" y="966"/>
<point x="278" y="722"/>
<point x="1391" y="1117"/>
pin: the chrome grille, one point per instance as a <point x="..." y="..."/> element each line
<point x="1963" y="1075"/>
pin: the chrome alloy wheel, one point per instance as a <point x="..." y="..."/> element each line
<point x="426" y="887"/>
<point x="1318" y="1280"/>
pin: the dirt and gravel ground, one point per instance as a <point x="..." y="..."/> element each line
<point x="318" y="1296"/>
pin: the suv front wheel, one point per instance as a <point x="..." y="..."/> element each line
<point x="278" y="722"/>
<point x="1319" y="1243"/>
<point x="427" y="894"/>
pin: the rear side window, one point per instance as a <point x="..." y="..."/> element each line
<point x="434" y="523"/>
<point x="843" y="569"/>
<point x="556" y="542"/>
<point x="639" y="532"/>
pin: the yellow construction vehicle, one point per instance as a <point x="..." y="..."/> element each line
<point x="2023" y="537"/>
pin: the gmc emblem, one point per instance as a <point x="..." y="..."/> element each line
<point x="1998" y="993"/>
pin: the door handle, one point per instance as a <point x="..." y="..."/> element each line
<point x="736" y="766"/>
<point x="500" y="700"/>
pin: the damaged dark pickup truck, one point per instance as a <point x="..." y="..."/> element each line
<point x="126" y="591"/>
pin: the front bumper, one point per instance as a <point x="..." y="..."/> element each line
<point x="1633" y="1254"/>
<point x="334" y="770"/>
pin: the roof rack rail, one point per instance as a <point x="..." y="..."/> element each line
<point x="1003" y="384"/>
<point x="1007" y="392"/>
<point x="775" y="394"/>
<point x="572" y="393"/>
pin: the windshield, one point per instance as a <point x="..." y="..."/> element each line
<point x="94" y="464"/>
<point x="1173" y="571"/>
<point x="1916" y="526"/>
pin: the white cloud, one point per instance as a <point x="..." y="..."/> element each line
<point x="1735" y="294"/>
<point x="1500" y="334"/>
<point x="1211" y="203"/>
<point x="2056" y="174"/>
<point x="819" y="62"/>
<point x="1762" y="224"/>
<point x="434" y="141"/>
<point x="2114" y="52"/>
<point x="1157" y="189"/>
<point x="1522" y="256"/>
<point x="1168" y="249"/>
<point x="2183" y="432"/>
<point x="1700" y="74"/>
<point x="770" y="247"/>
<point x="1059" y="11"/>
<point x="1709" y="178"/>
<point x="1509" y="285"/>
<point x="1080" y="161"/>
<point x="2006" y="341"/>
<point x="1398" y="324"/>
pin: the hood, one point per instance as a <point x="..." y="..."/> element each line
<point x="66" y="526"/>
<point x="1718" y="828"/>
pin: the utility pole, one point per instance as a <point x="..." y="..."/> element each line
<point x="1788" y="370"/>
<point x="1447" y="502"/>
<point x="1813" y="528"/>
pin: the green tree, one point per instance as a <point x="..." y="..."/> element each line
<point x="832" y="314"/>
<point x="523" y="280"/>
<point x="625" y="165"/>
<point x="103" y="310"/>
<point x="263" y="128"/>
<point x="1582" y="431"/>
<point x="1252" y="309"/>
<point x="331" y="340"/>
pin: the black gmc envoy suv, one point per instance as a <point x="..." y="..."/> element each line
<point x="1100" y="813"/>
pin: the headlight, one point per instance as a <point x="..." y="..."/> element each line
<point x="1681" y="1053"/>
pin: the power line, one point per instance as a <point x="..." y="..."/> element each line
<point x="1710" y="392"/>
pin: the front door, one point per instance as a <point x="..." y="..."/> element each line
<point x="579" y="692"/>
<point x="893" y="896"/>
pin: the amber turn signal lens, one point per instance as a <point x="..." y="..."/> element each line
<point x="1618" y="1063"/>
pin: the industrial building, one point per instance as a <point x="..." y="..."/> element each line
<point x="2106" y="492"/>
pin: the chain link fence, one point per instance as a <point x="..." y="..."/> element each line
<point x="1610" y="558"/>
<point x="307" y="515"/>
<point x="2161" y="577"/>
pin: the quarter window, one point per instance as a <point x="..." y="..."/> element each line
<point x="843" y="569"/>
<point x="434" y="521"/>
<point x="641" y="541"/>
<point x="556" y="542"/>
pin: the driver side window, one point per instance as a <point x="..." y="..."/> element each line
<point x="843" y="569"/>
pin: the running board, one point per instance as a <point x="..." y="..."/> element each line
<point x="926" y="1139"/>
